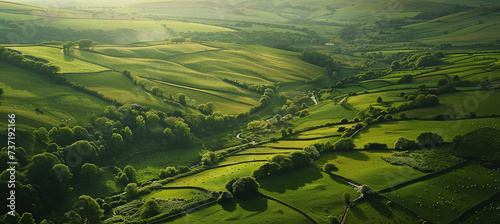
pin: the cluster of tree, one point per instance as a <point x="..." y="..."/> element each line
<point x="252" y="87"/>
<point x="242" y="186"/>
<point x="177" y="40"/>
<point x="172" y="171"/>
<point x="18" y="59"/>
<point x="209" y="158"/>
<point x="424" y="140"/>
<point x="321" y="60"/>
<point x="375" y="146"/>
<point x="329" y="167"/>
<point x="480" y="144"/>
<point x="350" y="131"/>
<point x="415" y="102"/>
<point x="285" y="132"/>
<point x="125" y="176"/>
<point x="280" y="163"/>
<point x="418" y="60"/>
<point x="265" y="100"/>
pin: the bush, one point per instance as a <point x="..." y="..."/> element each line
<point x="366" y="189"/>
<point x="428" y="139"/>
<point x="225" y="197"/>
<point x="346" y="197"/>
<point x="330" y="167"/>
<point x="375" y="146"/>
<point x="244" y="186"/>
<point x="344" y="144"/>
<point x="405" y="144"/>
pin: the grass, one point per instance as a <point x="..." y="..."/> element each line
<point x="116" y="86"/>
<point x="267" y="150"/>
<point x="148" y="164"/>
<point x="483" y="103"/>
<point x="103" y="186"/>
<point x="389" y="132"/>
<point x="25" y="91"/>
<point x="367" y="167"/>
<point x="375" y="208"/>
<point x="216" y="179"/>
<point x="324" y="112"/>
<point x="361" y="102"/>
<point x="300" y="143"/>
<point x="139" y="25"/>
<point x="320" y="132"/>
<point x="55" y="56"/>
<point x="463" y="187"/>
<point x="243" y="158"/>
<point x="163" y="51"/>
<point x="187" y="194"/>
<point x="17" y="17"/>
<point x="296" y="187"/>
<point x="484" y="214"/>
<point x="257" y="209"/>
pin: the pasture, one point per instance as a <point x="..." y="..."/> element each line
<point x="367" y="167"/>
<point x="446" y="196"/>
<point x="376" y="208"/>
<point x="17" y="16"/>
<point x="299" y="143"/>
<point x="324" y="112"/>
<point x="67" y="63"/>
<point x="296" y="187"/>
<point x="25" y="91"/>
<point x="389" y="132"/>
<point x="148" y="164"/>
<point x="187" y="194"/>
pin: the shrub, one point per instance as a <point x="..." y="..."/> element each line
<point x="366" y="189"/>
<point x="225" y="197"/>
<point x="244" y="186"/>
<point x="346" y="197"/>
<point x="404" y="144"/>
<point x="344" y="144"/>
<point x="375" y="146"/>
<point x="429" y="139"/>
<point x="150" y="209"/>
<point x="330" y="167"/>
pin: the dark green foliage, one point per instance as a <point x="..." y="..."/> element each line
<point x="330" y="167"/>
<point x="265" y="170"/>
<point x="375" y="146"/>
<point x="320" y="59"/>
<point x="88" y="209"/>
<point x="344" y="144"/>
<point x="150" y="209"/>
<point x="480" y="144"/>
<point x="89" y="173"/>
<point x="346" y="197"/>
<point x="27" y="218"/>
<point x="168" y="172"/>
<point x="429" y="140"/>
<point x="405" y="144"/>
<point x="425" y="160"/>
<point x="442" y="82"/>
<point x="225" y="197"/>
<point x="85" y="43"/>
<point x="405" y="79"/>
<point x="244" y="186"/>
<point x="132" y="191"/>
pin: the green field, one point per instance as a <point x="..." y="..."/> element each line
<point x="389" y="132"/>
<point x="187" y="194"/>
<point x="376" y="208"/>
<point x="55" y="56"/>
<point x="25" y="91"/>
<point x="324" y="112"/>
<point x="17" y="17"/>
<point x="463" y="188"/>
<point x="139" y="25"/>
<point x="295" y="187"/>
<point x="367" y="167"/>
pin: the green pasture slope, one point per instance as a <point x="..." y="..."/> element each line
<point x="198" y="71"/>
<point x="389" y="132"/>
<point x="449" y="194"/>
<point x="24" y="91"/>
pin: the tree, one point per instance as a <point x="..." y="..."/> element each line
<point x="130" y="173"/>
<point x="442" y="82"/>
<point x="89" y="172"/>
<point x="245" y="186"/>
<point x="311" y="151"/>
<point x="379" y="99"/>
<point x="346" y="197"/>
<point x="85" y="43"/>
<point x="403" y="116"/>
<point x="366" y="189"/>
<point x="456" y="78"/>
<point x="283" y="132"/>
<point x="344" y="144"/>
<point x="422" y="87"/>
<point x="405" y="79"/>
<point x="299" y="159"/>
<point x="27" y="218"/>
<point x="429" y="139"/>
<point x="168" y="172"/>
<point x="225" y="197"/>
<point x="88" y="209"/>
<point x="181" y="98"/>
<point x="404" y="144"/>
<point x="131" y="190"/>
<point x="150" y="209"/>
<point x="265" y="170"/>
<point x="375" y="146"/>
<point x="330" y="167"/>
<point x="1" y="91"/>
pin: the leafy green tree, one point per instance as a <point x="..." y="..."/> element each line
<point x="127" y="134"/>
<point x="150" y="209"/>
<point x="116" y="141"/>
<point x="27" y="218"/>
<point x="181" y="98"/>
<point x="346" y="197"/>
<point x="88" y="209"/>
<point x="311" y="151"/>
<point x="299" y="159"/>
<point x="73" y="217"/>
<point x="404" y="144"/>
<point x="131" y="190"/>
<point x="330" y="167"/>
<point x="131" y="174"/>
<point x="89" y="172"/>
<point x="379" y="99"/>
<point x="344" y="144"/>
<point x="85" y="43"/>
<point x="442" y="82"/>
<point x="244" y="186"/>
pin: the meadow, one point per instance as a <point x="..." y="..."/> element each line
<point x="324" y="112"/>
<point x="25" y="91"/>
<point x="389" y="132"/>
<point x="445" y="197"/>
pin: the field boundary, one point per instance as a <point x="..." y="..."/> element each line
<point x="290" y="206"/>
<point x="423" y="178"/>
<point x="309" y="139"/>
